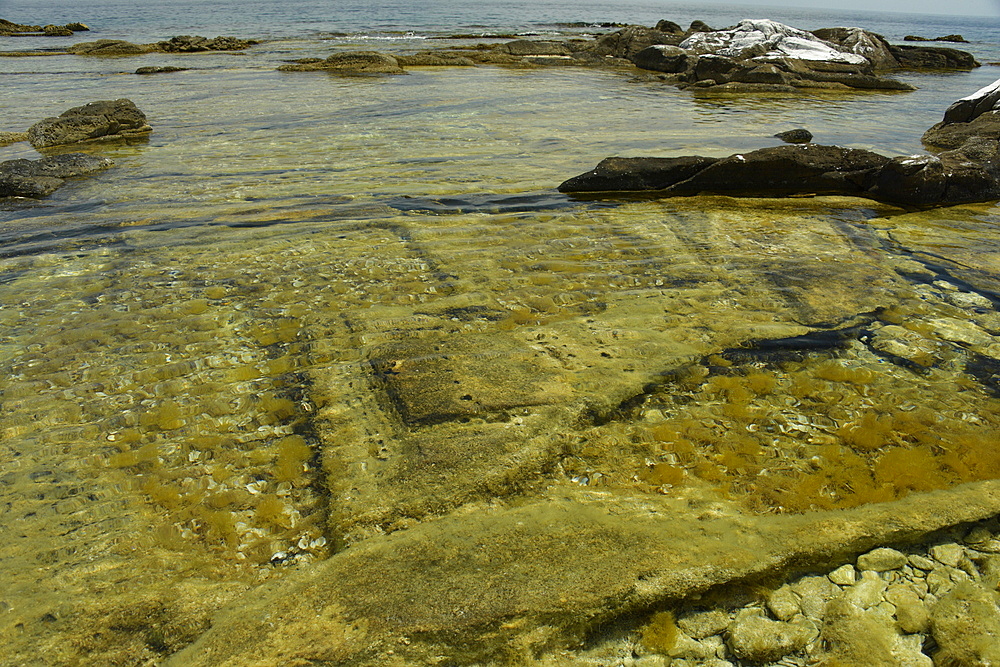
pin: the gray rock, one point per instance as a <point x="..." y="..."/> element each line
<point x="932" y="58"/>
<point x="38" y="178"/>
<point x="966" y="626"/>
<point x="968" y="173"/>
<point x="97" y="121"/>
<point x="754" y="637"/>
<point x="868" y="44"/>
<point x="975" y="105"/>
<point x="881" y="559"/>
<point x="628" y="41"/>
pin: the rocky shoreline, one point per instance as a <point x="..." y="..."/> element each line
<point x="755" y="56"/>
<point x="965" y="169"/>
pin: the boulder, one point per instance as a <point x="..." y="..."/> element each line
<point x="628" y="41"/>
<point x="100" y="121"/>
<point x="350" y="63"/>
<point x="873" y="47"/>
<point x="662" y="58"/>
<point x="753" y="38"/>
<point x="774" y="171"/>
<point x="668" y="26"/>
<point x="932" y="57"/>
<point x="971" y="107"/>
<point x="616" y="174"/>
<point x="38" y="178"/>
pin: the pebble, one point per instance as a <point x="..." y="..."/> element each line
<point x="948" y="554"/>
<point x="921" y="562"/>
<point x="845" y="575"/>
<point x="814" y="592"/>
<point x="882" y="560"/>
<point x="867" y="592"/>
<point x="783" y="603"/>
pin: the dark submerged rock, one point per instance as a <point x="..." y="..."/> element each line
<point x="109" y="47"/>
<point x="350" y="62"/>
<point x="38" y="178"/>
<point x="104" y="120"/>
<point x="160" y="69"/>
<point x="616" y="174"/>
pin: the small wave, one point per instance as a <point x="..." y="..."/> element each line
<point x="377" y="37"/>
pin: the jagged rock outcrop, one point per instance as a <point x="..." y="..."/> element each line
<point x="968" y="171"/>
<point x="197" y="44"/>
<point x="10" y="29"/>
<point x="180" y="44"/>
<point x="98" y="121"/>
<point x="766" y="38"/>
<point x="38" y="178"/>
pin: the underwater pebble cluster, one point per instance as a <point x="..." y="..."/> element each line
<point x="914" y="606"/>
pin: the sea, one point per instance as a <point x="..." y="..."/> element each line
<point x="166" y="325"/>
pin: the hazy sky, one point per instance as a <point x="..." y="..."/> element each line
<point x="962" y="7"/>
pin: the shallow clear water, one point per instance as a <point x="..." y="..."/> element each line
<point x="188" y="339"/>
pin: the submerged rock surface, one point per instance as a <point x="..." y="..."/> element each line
<point x="37" y="178"/>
